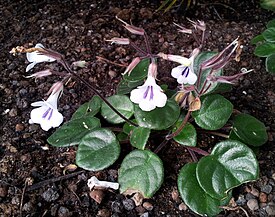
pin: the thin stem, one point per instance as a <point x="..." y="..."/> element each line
<point x="109" y="61"/>
<point x="198" y="150"/>
<point x="216" y="133"/>
<point x="137" y="48"/>
<point x="191" y="152"/>
<point x="199" y="77"/>
<point x="66" y="66"/>
<point x="148" y="48"/>
<point x="184" y="122"/>
<point x="164" y="142"/>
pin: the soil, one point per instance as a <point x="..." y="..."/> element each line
<point x="34" y="178"/>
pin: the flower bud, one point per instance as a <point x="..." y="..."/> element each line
<point x="56" y="87"/>
<point x="131" y="28"/>
<point x="119" y="40"/>
<point x="132" y="65"/>
<point x="40" y="74"/>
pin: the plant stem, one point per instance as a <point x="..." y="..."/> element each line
<point x="164" y="142"/>
<point x="66" y="66"/>
<point x="215" y="133"/>
<point x="198" y="150"/>
<point x="137" y="48"/>
<point x="184" y="122"/>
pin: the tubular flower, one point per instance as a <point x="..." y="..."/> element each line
<point x="47" y="114"/>
<point x="185" y="73"/>
<point x="35" y="57"/>
<point x="149" y="95"/>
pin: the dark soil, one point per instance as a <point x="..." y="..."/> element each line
<point x="78" y="29"/>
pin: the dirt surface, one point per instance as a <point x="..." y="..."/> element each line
<point x="78" y="29"/>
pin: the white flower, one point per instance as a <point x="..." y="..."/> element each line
<point x="185" y="73"/>
<point x="35" y="57"/>
<point x="47" y="114"/>
<point x="149" y="95"/>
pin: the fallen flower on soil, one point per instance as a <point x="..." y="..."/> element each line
<point x="94" y="182"/>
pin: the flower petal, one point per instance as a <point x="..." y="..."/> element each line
<point x="146" y="105"/>
<point x="30" y="66"/>
<point x="37" y="113"/>
<point x="177" y="71"/>
<point x="136" y="95"/>
<point x="160" y="99"/>
<point x="191" y="78"/>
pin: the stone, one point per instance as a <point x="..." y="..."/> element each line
<point x="103" y="213"/>
<point x="253" y="204"/>
<point x="50" y="195"/>
<point x="270" y="209"/>
<point x="263" y="197"/>
<point x="266" y="189"/>
<point x="146" y="214"/>
<point x="183" y="207"/>
<point x="63" y="212"/>
<point x="128" y="204"/>
<point x="148" y="206"/>
<point x="116" y="207"/>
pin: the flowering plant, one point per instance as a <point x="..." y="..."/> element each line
<point x="151" y="110"/>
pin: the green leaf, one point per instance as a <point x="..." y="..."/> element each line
<point x="88" y="109"/>
<point x="270" y="24"/>
<point x="194" y="196"/>
<point x="73" y="131"/>
<point x="188" y="136"/>
<point x="230" y="164"/>
<point x="122" y="104"/>
<point x="125" y="87"/>
<point x="269" y="34"/>
<point x="268" y="4"/>
<point x="97" y="150"/>
<point x="270" y="63"/>
<point x="122" y="137"/>
<point x="139" y="137"/>
<point x="198" y="61"/>
<point x="139" y="72"/>
<point x="265" y="49"/>
<point x="127" y="128"/>
<point x="250" y="130"/>
<point x="257" y="39"/>
<point x="214" y="113"/>
<point x="141" y="171"/>
<point x="159" y="118"/>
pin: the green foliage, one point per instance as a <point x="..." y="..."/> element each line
<point x="204" y="186"/>
<point x="214" y="113"/>
<point x="139" y="137"/>
<point x="188" y="135"/>
<point x="268" y="4"/>
<point x="168" y="4"/>
<point x="141" y="171"/>
<point x="265" y="46"/>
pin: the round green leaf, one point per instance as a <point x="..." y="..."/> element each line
<point x="73" y="131"/>
<point x="250" y="130"/>
<point x="159" y="118"/>
<point x="214" y="112"/>
<point x="194" y="196"/>
<point x="128" y="128"/>
<point x="139" y="72"/>
<point x="139" y="137"/>
<point x="141" y="171"/>
<point x="270" y="24"/>
<point x="203" y="56"/>
<point x="269" y="34"/>
<point x="270" y="63"/>
<point x="230" y="164"/>
<point x="122" y="103"/>
<point x="88" y="109"/>
<point x="188" y="136"/>
<point x="97" y="150"/>
<point x="265" y="49"/>
<point x="257" y="39"/>
<point x="125" y="87"/>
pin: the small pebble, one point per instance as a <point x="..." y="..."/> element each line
<point x="146" y="214"/>
<point x="249" y="196"/>
<point x="19" y="127"/>
<point x="253" y="204"/>
<point x="128" y="204"/>
<point x="3" y="191"/>
<point x="270" y="209"/>
<point x="116" y="206"/>
<point x="13" y="112"/>
<point x="97" y="195"/>
<point x="27" y="207"/>
<point x="241" y="200"/>
<point x="183" y="207"/>
<point x="175" y="195"/>
<point x="255" y="192"/>
<point x="50" y="195"/>
<point x="140" y="210"/>
<point x="263" y="197"/>
<point x="266" y="189"/>
<point x="63" y="212"/>
<point x="54" y="210"/>
<point x="103" y="213"/>
<point x="148" y="206"/>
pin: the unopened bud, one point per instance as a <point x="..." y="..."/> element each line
<point x="152" y="69"/>
<point x="40" y="74"/>
<point x="131" y="28"/>
<point x="132" y="65"/>
<point x="80" y="64"/>
<point x="175" y="58"/>
<point x="183" y="29"/>
<point x="119" y="40"/>
<point x="198" y="24"/>
<point x="56" y="87"/>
